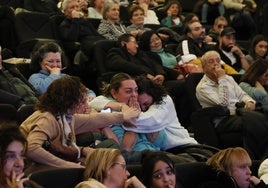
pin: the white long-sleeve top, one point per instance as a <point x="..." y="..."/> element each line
<point x="263" y="171"/>
<point x="156" y="118"/>
<point x="225" y="93"/>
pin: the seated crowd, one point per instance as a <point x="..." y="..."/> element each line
<point x="141" y="115"/>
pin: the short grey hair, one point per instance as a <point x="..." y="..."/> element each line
<point x="107" y="5"/>
<point x="206" y="55"/>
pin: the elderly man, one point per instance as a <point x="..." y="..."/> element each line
<point x="217" y="88"/>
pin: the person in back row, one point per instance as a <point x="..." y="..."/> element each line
<point x="230" y="52"/>
<point x="47" y="62"/>
<point x="76" y="28"/>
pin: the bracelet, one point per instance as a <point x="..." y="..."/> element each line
<point x="242" y="56"/>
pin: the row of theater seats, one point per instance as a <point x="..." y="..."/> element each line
<point x="189" y="175"/>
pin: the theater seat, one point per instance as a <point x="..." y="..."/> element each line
<point x="32" y="27"/>
<point x="100" y="51"/>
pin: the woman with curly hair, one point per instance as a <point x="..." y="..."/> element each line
<point x="51" y="129"/>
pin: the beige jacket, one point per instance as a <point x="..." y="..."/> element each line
<point x="40" y="126"/>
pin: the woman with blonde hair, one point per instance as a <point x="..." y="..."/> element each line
<point x="107" y="168"/>
<point x="235" y="162"/>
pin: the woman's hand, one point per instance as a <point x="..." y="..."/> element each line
<point x="133" y="102"/>
<point x="133" y="182"/>
<point x="54" y="70"/>
<point x="129" y="115"/>
<point x="159" y="79"/>
<point x="16" y="181"/>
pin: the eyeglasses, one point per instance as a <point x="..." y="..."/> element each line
<point x="123" y="165"/>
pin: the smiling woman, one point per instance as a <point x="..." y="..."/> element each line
<point x="12" y="150"/>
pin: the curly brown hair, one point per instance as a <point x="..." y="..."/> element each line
<point x="62" y="94"/>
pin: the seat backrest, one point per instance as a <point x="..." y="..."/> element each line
<point x="55" y="21"/>
<point x="55" y="178"/>
<point x="191" y="81"/>
<point x="30" y="25"/>
<point x="100" y="51"/>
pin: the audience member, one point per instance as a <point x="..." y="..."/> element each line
<point x="219" y="24"/>
<point x="255" y="82"/>
<point x="107" y="168"/>
<point x="238" y="14"/>
<point x="95" y="9"/>
<point x="150" y="15"/>
<point x="194" y="41"/>
<point x="12" y="151"/>
<point x="14" y="87"/>
<point x="76" y="28"/>
<point x="235" y="163"/>
<point x="109" y="27"/>
<point x="47" y="62"/>
<point x="136" y="15"/>
<point x="258" y="49"/>
<point x="174" y="17"/>
<point x="50" y="130"/>
<point x="230" y="52"/>
<point x="217" y="88"/>
<point x="158" y="171"/>
<point x="151" y="41"/>
<point x="208" y="8"/>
